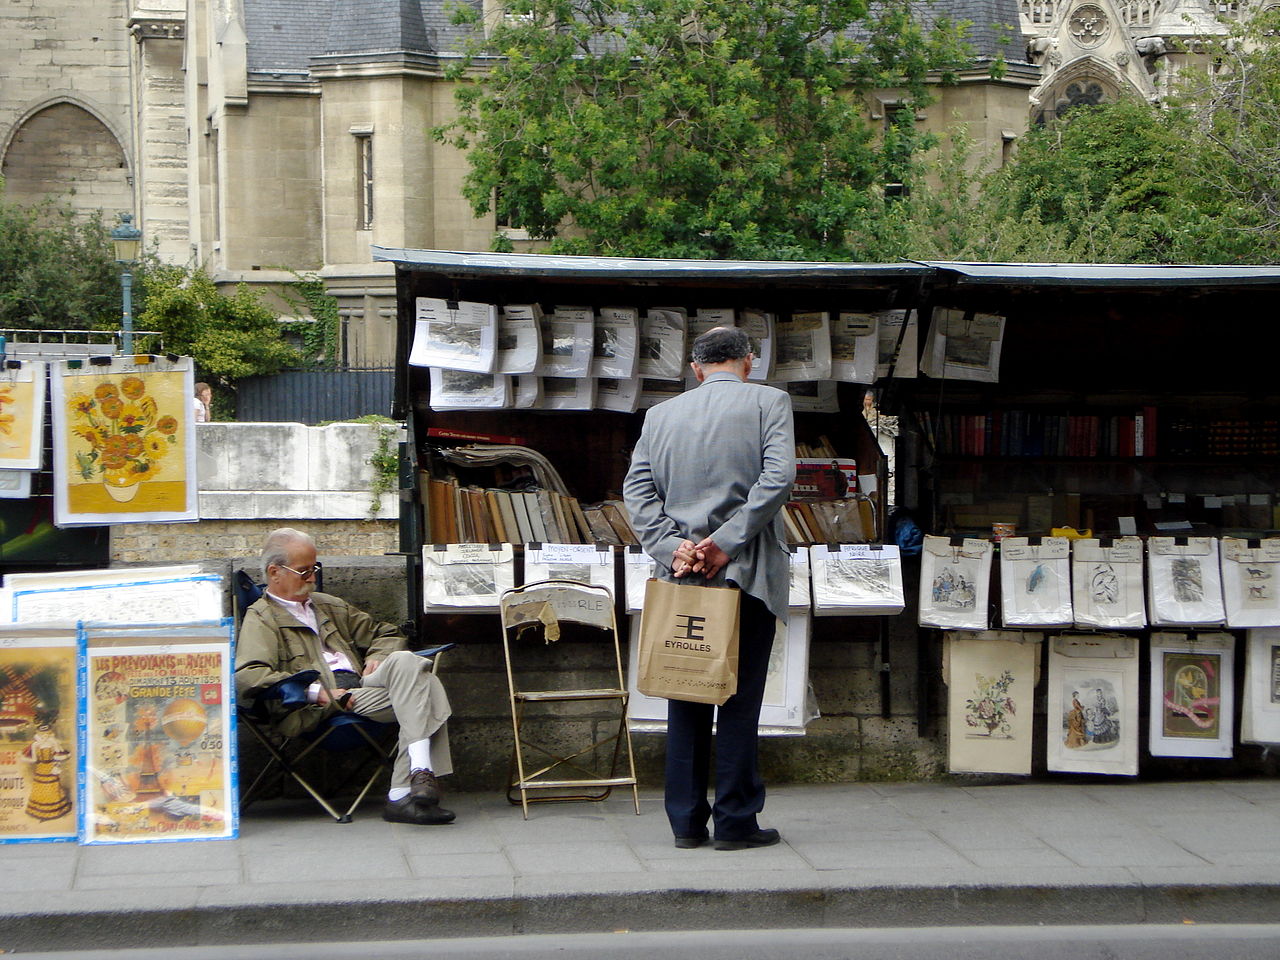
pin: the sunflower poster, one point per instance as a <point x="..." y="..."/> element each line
<point x="22" y="415"/>
<point x="124" y="441"/>
<point x="37" y="733"/>
<point x="159" y="737"/>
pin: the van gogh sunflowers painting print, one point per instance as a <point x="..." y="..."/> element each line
<point x="126" y="441"/>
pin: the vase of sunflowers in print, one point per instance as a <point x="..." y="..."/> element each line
<point x="127" y="438"/>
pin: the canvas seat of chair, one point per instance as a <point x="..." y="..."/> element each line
<point x="543" y="773"/>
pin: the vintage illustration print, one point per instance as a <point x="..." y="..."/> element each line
<point x="953" y="587"/>
<point x="1106" y="589"/>
<point x="1091" y="712"/>
<point x="37" y="742"/>
<point x="1191" y="695"/>
<point x="1188" y="583"/>
<point x="991" y="709"/>
<point x="1275" y="673"/>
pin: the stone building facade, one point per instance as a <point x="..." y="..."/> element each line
<point x="260" y="137"/>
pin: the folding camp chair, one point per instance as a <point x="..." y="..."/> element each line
<point x="374" y="742"/>
<point x="540" y="609"/>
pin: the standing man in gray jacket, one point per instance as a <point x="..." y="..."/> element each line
<point x="708" y="477"/>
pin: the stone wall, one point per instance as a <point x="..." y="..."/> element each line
<point x="255" y="477"/>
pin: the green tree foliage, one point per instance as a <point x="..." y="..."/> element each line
<point x="57" y="269"/>
<point x="228" y="336"/>
<point x="695" y="128"/>
<point x="1195" y="182"/>
<point x="1234" y="108"/>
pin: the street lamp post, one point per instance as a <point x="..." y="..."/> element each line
<point x="127" y="239"/>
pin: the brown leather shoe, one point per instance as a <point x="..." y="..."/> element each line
<point x="411" y="810"/>
<point x="424" y="786"/>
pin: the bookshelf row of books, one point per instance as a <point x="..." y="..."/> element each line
<point x="1137" y="433"/>
<point x="474" y="514"/>
<point x="1031" y="433"/>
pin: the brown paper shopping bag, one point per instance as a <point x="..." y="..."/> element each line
<point x="688" y="642"/>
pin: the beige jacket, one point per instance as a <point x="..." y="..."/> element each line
<point x="274" y="645"/>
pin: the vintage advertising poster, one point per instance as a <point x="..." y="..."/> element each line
<point x="991" y="679"/>
<point x="37" y="733"/>
<point x="1093" y="704"/>
<point x="159" y="738"/>
<point x="22" y="415"/>
<point x="785" y="709"/>
<point x="1260" y="713"/>
<point x="1192" y="695"/>
<point x="955" y="582"/>
<point x="123" y="442"/>
<point x="175" y="594"/>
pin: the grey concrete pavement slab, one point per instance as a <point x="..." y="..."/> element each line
<point x="33" y="875"/>
<point x="572" y="858"/>
<point x="1135" y="850"/>
<point x="460" y="864"/>
<point x="152" y="881"/>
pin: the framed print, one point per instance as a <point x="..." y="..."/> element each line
<point x="1184" y="582"/>
<point x="22" y="415"/>
<point x="991" y="678"/>
<point x="466" y="577"/>
<point x="38" y="740"/>
<point x="1192" y="695"/>
<point x="1093" y="704"/>
<point x="1106" y="584"/>
<point x="955" y="582"/>
<point x="1260" y="709"/>
<point x="123" y="442"/>
<point x="158" y="737"/>
<point x="1251" y="582"/>
<point x="174" y="594"/>
<point x="1035" y="582"/>
<point x="580" y="562"/>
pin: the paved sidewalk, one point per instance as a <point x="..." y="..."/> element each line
<point x="852" y="855"/>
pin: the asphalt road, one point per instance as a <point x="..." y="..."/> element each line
<point x="1129" y="942"/>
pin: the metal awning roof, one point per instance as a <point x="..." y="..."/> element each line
<point x="481" y="264"/>
<point x="1103" y="274"/>
<point x="459" y="263"/>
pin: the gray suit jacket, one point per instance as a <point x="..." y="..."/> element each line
<point x="718" y="461"/>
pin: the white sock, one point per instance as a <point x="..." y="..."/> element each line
<point x="420" y="755"/>
<point x="397" y="793"/>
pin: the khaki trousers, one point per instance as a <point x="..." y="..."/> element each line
<point x="404" y="690"/>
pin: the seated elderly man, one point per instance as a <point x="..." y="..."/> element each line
<point x="363" y="666"/>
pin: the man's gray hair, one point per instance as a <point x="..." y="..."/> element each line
<point x="276" y="549"/>
<point x="721" y="344"/>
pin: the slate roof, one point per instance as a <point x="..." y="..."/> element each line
<point x="284" y="35"/>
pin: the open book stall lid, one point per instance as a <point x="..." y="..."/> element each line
<point x="461" y="263"/>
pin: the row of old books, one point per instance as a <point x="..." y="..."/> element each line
<point x="473" y="514"/>
<point x="1027" y="433"/>
<point x="849" y="520"/>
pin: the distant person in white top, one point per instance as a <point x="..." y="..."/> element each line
<point x="201" y="402"/>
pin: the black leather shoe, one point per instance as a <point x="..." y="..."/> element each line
<point x="690" y="843"/>
<point x="411" y="810"/>
<point x="761" y="838"/>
